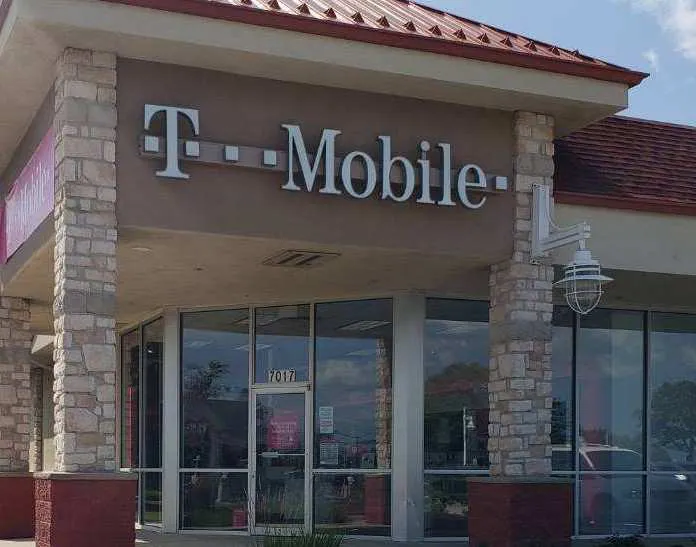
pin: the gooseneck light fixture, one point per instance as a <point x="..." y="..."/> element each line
<point x="582" y="280"/>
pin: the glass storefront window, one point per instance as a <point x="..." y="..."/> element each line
<point x="353" y="389"/>
<point x="611" y="504"/>
<point x="353" y="504"/>
<point x="153" y="344"/>
<point x="446" y="506"/>
<point x="610" y="371"/>
<point x="672" y="503"/>
<point x="282" y="344"/>
<point x="562" y="430"/>
<point x="456" y="385"/>
<point x="673" y="393"/>
<point x="214" y="501"/>
<point x="215" y="384"/>
<point x="142" y="364"/>
<point x="130" y="399"/>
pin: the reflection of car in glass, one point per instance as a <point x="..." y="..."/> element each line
<point x="614" y="504"/>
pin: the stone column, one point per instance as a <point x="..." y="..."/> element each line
<point x="36" y="426"/>
<point x="521" y="503"/>
<point x="16" y="484"/>
<point x="84" y="389"/>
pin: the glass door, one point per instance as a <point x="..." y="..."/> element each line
<point x="280" y="477"/>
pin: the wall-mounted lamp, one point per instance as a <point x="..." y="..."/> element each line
<point x="582" y="279"/>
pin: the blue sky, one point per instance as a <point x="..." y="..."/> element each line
<point x="656" y="36"/>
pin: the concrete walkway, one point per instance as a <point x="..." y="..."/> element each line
<point x="153" y="539"/>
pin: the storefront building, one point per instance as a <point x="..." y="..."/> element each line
<point x="268" y="266"/>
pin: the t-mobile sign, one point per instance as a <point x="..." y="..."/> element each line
<point x="30" y="199"/>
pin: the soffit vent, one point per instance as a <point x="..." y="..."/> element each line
<point x="300" y="259"/>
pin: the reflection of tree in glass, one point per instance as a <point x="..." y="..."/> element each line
<point x="674" y="416"/>
<point x="560" y="422"/>
<point x="205" y="383"/>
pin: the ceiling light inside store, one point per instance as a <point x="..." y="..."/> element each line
<point x="361" y="326"/>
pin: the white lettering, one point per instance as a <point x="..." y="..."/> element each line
<point x="446" y="175"/>
<point x="327" y="148"/>
<point x="370" y="174"/>
<point x="463" y="185"/>
<point x="424" y="164"/>
<point x="172" y="170"/>
<point x="388" y="164"/>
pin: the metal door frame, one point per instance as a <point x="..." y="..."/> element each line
<point x="302" y="388"/>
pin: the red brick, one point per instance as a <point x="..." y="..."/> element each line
<point x="516" y="513"/>
<point x="84" y="512"/>
<point x="16" y="506"/>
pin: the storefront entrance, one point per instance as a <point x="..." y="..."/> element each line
<point x="280" y="474"/>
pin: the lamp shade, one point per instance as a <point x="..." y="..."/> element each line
<point x="582" y="282"/>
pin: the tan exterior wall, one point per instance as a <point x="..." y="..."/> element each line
<point x="630" y="240"/>
<point x="249" y="111"/>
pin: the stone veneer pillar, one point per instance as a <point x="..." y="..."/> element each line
<point x="36" y="425"/>
<point x="16" y="483"/>
<point x="520" y="503"/>
<point x="85" y="502"/>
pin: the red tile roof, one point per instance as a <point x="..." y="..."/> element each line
<point x="630" y="164"/>
<point x="403" y="24"/>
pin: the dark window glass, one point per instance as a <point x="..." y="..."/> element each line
<point x="562" y="431"/>
<point x="151" y="486"/>
<point x="353" y="398"/>
<point x="353" y="504"/>
<point x="214" y="501"/>
<point x="215" y="381"/>
<point x="153" y="334"/>
<point x="456" y="384"/>
<point x="446" y="506"/>
<point x="673" y="393"/>
<point x="130" y="399"/>
<point x="610" y="389"/>
<point x="282" y="344"/>
<point x="672" y="503"/>
<point x="611" y="504"/>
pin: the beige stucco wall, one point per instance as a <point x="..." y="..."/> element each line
<point x="636" y="241"/>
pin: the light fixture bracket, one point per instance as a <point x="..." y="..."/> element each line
<point x="546" y="235"/>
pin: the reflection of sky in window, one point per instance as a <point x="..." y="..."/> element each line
<point x="454" y="342"/>
<point x="201" y="347"/>
<point x="610" y="378"/>
<point x="346" y="378"/>
<point x="277" y="352"/>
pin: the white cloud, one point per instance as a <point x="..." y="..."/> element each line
<point x="677" y="18"/>
<point x="653" y="58"/>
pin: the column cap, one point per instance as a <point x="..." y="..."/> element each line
<point x="102" y="476"/>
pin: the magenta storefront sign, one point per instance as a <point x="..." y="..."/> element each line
<point x="31" y="198"/>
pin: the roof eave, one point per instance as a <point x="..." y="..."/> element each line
<point x="300" y="23"/>
<point x="5" y="6"/>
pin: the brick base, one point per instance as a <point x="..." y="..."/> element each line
<point x="520" y="512"/>
<point x="84" y="510"/>
<point x="16" y="505"/>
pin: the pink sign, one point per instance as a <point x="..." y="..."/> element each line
<point x="31" y="198"/>
<point x="284" y="432"/>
